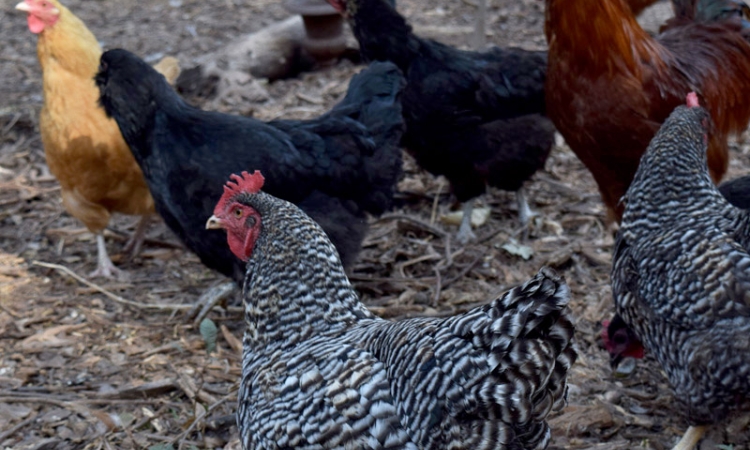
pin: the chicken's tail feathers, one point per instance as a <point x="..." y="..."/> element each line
<point x="528" y="333"/>
<point x="520" y="354"/>
<point x="374" y="100"/>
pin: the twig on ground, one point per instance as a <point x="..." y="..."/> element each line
<point x="438" y="287"/>
<point x="181" y="438"/>
<point x="6" y="434"/>
<point x="114" y="297"/>
<point x="463" y="272"/>
<point x="74" y="406"/>
<point x="427" y="227"/>
<point x="420" y="223"/>
<point x="433" y="214"/>
<point x="221" y="422"/>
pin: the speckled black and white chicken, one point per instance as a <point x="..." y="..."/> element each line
<point x="322" y="372"/>
<point x="681" y="273"/>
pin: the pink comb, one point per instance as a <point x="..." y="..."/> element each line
<point x="244" y="182"/>
<point x="692" y="100"/>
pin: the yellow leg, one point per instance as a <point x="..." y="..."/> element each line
<point x="690" y="438"/>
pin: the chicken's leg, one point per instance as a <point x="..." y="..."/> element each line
<point x="134" y="244"/>
<point x="524" y="212"/>
<point x="690" y="438"/>
<point x="104" y="268"/>
<point x="465" y="234"/>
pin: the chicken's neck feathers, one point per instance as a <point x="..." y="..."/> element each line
<point x="295" y="285"/>
<point x="671" y="185"/>
<point x="383" y="34"/>
<point x="612" y="42"/>
<point x="69" y="45"/>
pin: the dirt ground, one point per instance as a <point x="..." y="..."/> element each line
<point x="118" y="365"/>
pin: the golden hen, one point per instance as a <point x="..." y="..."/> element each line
<point x="83" y="147"/>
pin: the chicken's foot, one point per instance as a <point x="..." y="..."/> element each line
<point x="133" y="246"/>
<point x="465" y="234"/>
<point x="690" y="438"/>
<point x="104" y="267"/>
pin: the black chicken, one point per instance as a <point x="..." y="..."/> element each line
<point x="737" y="191"/>
<point x="337" y="167"/>
<point x="475" y="117"/>
<point x="681" y="273"/>
<point x="320" y="371"/>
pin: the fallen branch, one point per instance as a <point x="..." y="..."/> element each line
<point x="74" y="406"/>
<point x="181" y="438"/>
<point x="109" y="294"/>
<point x="6" y="434"/>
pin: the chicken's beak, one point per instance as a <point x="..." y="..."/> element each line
<point x="23" y="6"/>
<point x="214" y="223"/>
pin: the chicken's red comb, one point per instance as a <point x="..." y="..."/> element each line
<point x="692" y="100"/>
<point x="244" y="182"/>
<point x="237" y="184"/>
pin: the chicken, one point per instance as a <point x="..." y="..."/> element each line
<point x="681" y="273"/>
<point x="320" y="371"/>
<point x="475" y="117"/>
<point x="610" y="84"/>
<point x="620" y="341"/>
<point x="83" y="148"/>
<point x="710" y="11"/>
<point x="737" y="191"/>
<point x="337" y="168"/>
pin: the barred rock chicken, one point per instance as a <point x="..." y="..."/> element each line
<point x="610" y="84"/>
<point x="83" y="147"/>
<point x="681" y="273"/>
<point x="322" y="372"/>
<point x="338" y="167"/>
<point x="475" y="117"/>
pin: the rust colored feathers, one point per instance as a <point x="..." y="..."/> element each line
<point x="610" y="85"/>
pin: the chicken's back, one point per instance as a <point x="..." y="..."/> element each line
<point x="478" y="118"/>
<point x="83" y="147"/>
<point x="497" y="370"/>
<point x="486" y="379"/>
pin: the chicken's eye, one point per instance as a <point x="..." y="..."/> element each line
<point x="238" y="213"/>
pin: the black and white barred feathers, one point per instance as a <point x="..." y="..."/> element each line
<point x="322" y="372"/>
<point x="681" y="273"/>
